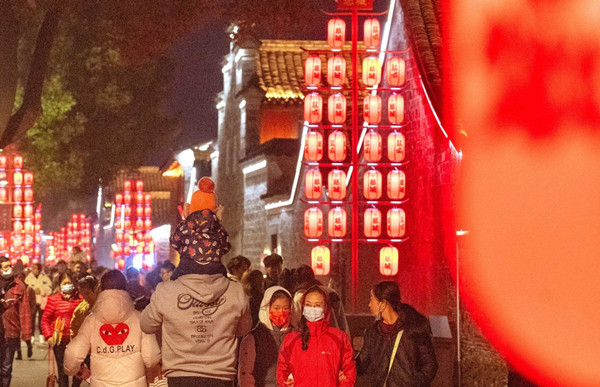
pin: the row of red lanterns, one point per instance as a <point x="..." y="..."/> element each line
<point x="5" y="162"/>
<point x="336" y="33"/>
<point x="336" y="112"/>
<point x="321" y="260"/>
<point x="18" y="177"/>
<point x="372" y="184"/>
<point x="337" y="223"/>
<point x="395" y="71"/>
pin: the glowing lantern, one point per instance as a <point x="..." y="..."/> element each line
<point x="336" y="33"/>
<point x="147" y="238"/>
<point x="396" y="185"/>
<point x="119" y="237"/>
<point x="372" y="109"/>
<point x="396" y="109"/>
<point x="37" y="227"/>
<point x="127" y="211"/>
<point x="336" y="149"/>
<point x="371" y="71"/>
<point x="372" y="185"/>
<point x="336" y="109"/>
<point x="139" y="224"/>
<point x="38" y="216"/>
<point x="396" y="144"/>
<point x="139" y="211"/>
<point x="313" y="222"/>
<point x="313" y="108"/>
<point x="2" y="161"/>
<point x="127" y="224"/>
<point x="127" y="198"/>
<point x="320" y="260"/>
<point x="336" y="184"/>
<point x="3" y="195"/>
<point x="82" y="217"/>
<point x="127" y="185"/>
<point x="17" y="195"/>
<point x="18" y="178"/>
<point x="148" y="198"/>
<point x="373" y="147"/>
<point x="17" y="211"/>
<point x="119" y="198"/>
<point x="313" y="184"/>
<point x="336" y="70"/>
<point x="336" y="225"/>
<point x="28" y="178"/>
<point x="28" y="227"/>
<point x="372" y="33"/>
<point x="121" y="264"/>
<point x="139" y="198"/>
<point x="148" y="224"/>
<point x="118" y="211"/>
<point x="372" y="223"/>
<point x="28" y="194"/>
<point x="17" y="226"/>
<point x="396" y="222"/>
<point x="313" y="147"/>
<point x="312" y="70"/>
<point x="388" y="261"/>
<point x="148" y="212"/>
<point x="395" y="69"/>
<point x="18" y="162"/>
<point x="139" y="185"/>
<point x="28" y="211"/>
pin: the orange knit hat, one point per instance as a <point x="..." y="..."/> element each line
<point x="204" y="198"/>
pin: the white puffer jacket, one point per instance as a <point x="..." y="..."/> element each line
<point x="119" y="349"/>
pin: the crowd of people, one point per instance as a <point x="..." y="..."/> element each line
<point x="202" y="323"/>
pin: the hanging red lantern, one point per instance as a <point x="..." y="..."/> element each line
<point x="388" y="261"/>
<point x="320" y="260"/>
<point x="372" y="185"/>
<point x="127" y="185"/>
<point x="119" y="198"/>
<point x="336" y="225"/>
<point x="28" y="178"/>
<point x="38" y="216"/>
<point x="139" y="224"/>
<point x="28" y="211"/>
<point x="396" y="147"/>
<point x="147" y="198"/>
<point x="18" y="162"/>
<point x="396" y="185"/>
<point x="17" y="211"/>
<point x="336" y="71"/>
<point x="118" y="211"/>
<point x="139" y="198"/>
<point x="139" y="236"/>
<point x="395" y="68"/>
<point x="18" y="195"/>
<point x="372" y="33"/>
<point x="336" y="184"/>
<point x="121" y="264"/>
<point x="313" y="147"/>
<point x="37" y="251"/>
<point x="396" y="223"/>
<point x="127" y="211"/>
<point x="28" y="195"/>
<point x="148" y="224"/>
<point x="147" y="250"/>
<point x="147" y="237"/>
<point x="17" y="226"/>
<point x="37" y="227"/>
<point x="313" y="184"/>
<point x="119" y="236"/>
<point x="3" y="161"/>
<point x="313" y="108"/>
<point x="373" y="147"/>
<point x="28" y="227"/>
<point x="312" y="70"/>
<point x="372" y="223"/>
<point x="336" y="109"/>
<point x="139" y="185"/>
<point x="3" y="194"/>
<point x="127" y="198"/>
<point x="139" y="211"/>
<point x="81" y="217"/>
<point x="336" y="149"/>
<point x="127" y="224"/>
<point x="371" y="71"/>
<point x="17" y="178"/>
<point x="148" y="212"/>
<point x="336" y="33"/>
<point x="313" y="222"/>
<point x="396" y="109"/>
<point x="372" y="109"/>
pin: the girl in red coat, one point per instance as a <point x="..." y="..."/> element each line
<point x="318" y="355"/>
<point x="61" y="305"/>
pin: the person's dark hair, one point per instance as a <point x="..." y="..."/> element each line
<point x="237" y="262"/>
<point x="254" y="284"/>
<point x="76" y="249"/>
<point x="304" y="277"/>
<point x="388" y="291"/>
<point x="304" y="331"/>
<point x="38" y="265"/>
<point x="113" y="279"/>
<point x="168" y="265"/>
<point x="69" y="275"/>
<point x="286" y="279"/>
<point x="132" y="273"/>
<point x="61" y="262"/>
<point x="4" y="259"/>
<point x="272" y="260"/>
<point x="279" y="294"/>
<point x="88" y="282"/>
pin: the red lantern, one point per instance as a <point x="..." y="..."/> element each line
<point x="127" y="185"/>
<point x="313" y="222"/>
<point x="127" y="211"/>
<point x="396" y="109"/>
<point x="121" y="264"/>
<point x="312" y="70"/>
<point x="313" y="147"/>
<point x="336" y="33"/>
<point x="118" y="211"/>
<point x="336" y="109"/>
<point x="3" y="194"/>
<point x="81" y="217"/>
<point x="396" y="185"/>
<point x="147" y="250"/>
<point x="17" y="178"/>
<point x="336" y="184"/>
<point x="28" y="178"/>
<point x="147" y="238"/>
<point x="17" y="226"/>
<point x="320" y="260"/>
<point x="119" y="198"/>
<point x="18" y="162"/>
<point x="37" y="227"/>
<point x="395" y="68"/>
<point x="372" y="223"/>
<point x="371" y="71"/>
<point x="372" y="33"/>
<point x="373" y="147"/>
<point x="148" y="224"/>
<point x="18" y="195"/>
<point x="127" y="198"/>
<point x="3" y="162"/>
<point x="139" y="236"/>
<point x="372" y="109"/>
<point x="139" y="211"/>
<point x="139" y="224"/>
<point x="127" y="224"/>
<point x="28" y="194"/>
<point x="396" y="223"/>
<point x="148" y="212"/>
<point x="336" y="227"/>
<point x="388" y="261"/>
<point x="336" y="149"/>
<point x="139" y="185"/>
<point x="28" y="211"/>
<point x="313" y="108"/>
<point x="372" y="183"/>
<point x="37" y="251"/>
<point x="147" y="198"/>
<point x="38" y="217"/>
<point x="396" y="147"/>
<point x="119" y="237"/>
<point x="313" y="184"/>
<point x="336" y="70"/>
<point x="17" y="211"/>
<point x="28" y="227"/>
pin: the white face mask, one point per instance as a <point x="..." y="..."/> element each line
<point x="379" y="311"/>
<point x="313" y="313"/>
<point x="7" y="273"/>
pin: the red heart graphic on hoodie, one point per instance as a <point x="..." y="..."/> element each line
<point x="114" y="335"/>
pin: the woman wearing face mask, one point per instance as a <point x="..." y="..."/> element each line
<point x="318" y="355"/>
<point x="259" y="350"/>
<point x="61" y="305"/>
<point x="397" y="349"/>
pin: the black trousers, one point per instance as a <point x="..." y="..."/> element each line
<point x="63" y="379"/>
<point x="10" y="347"/>
<point x="196" y="381"/>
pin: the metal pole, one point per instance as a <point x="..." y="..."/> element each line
<point x="355" y="208"/>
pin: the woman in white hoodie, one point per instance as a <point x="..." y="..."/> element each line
<point x="120" y="351"/>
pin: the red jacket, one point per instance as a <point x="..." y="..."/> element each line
<point x="56" y="307"/>
<point x="329" y="352"/>
<point x="17" y="315"/>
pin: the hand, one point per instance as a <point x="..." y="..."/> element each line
<point x="342" y="377"/>
<point x="84" y="372"/>
<point x="186" y="210"/>
<point x="219" y="211"/>
<point x="50" y="341"/>
<point x="290" y="381"/>
<point x="38" y="291"/>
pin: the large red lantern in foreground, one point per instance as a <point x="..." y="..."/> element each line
<point x="372" y="185"/>
<point x="371" y="71"/>
<point x="313" y="184"/>
<point x="388" y="261"/>
<point x="336" y="33"/>
<point x="336" y="149"/>
<point x="396" y="147"/>
<point x="336" y="109"/>
<point x="336" y="71"/>
<point x="313" y="222"/>
<point x="320" y="260"/>
<point x="313" y="147"/>
<point x="396" y="109"/>
<point x="396" y="185"/>
<point x="313" y="108"/>
<point x="372" y="223"/>
<point x="372" y="109"/>
<point x="396" y="223"/>
<point x="336" y="225"/>
<point x="373" y="147"/>
<point x="312" y="70"/>
<point x="372" y="33"/>
<point x="395" y="69"/>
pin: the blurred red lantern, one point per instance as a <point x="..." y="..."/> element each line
<point x="139" y="224"/>
<point x="396" y="109"/>
<point x="336" y="149"/>
<point x="28" y="194"/>
<point x="372" y="223"/>
<point x="396" y="185"/>
<point x="336" y="227"/>
<point x="139" y="198"/>
<point x="139" y="211"/>
<point x="148" y="212"/>
<point x="372" y="185"/>
<point x="313" y="147"/>
<point x="372" y="33"/>
<point x="3" y="162"/>
<point x="313" y="108"/>
<point x="372" y="109"/>
<point x="148" y="224"/>
<point x="147" y="198"/>
<point x="127" y="185"/>
<point x="139" y="237"/>
<point x="336" y="109"/>
<point x="396" y="147"/>
<point x="395" y="68"/>
<point x="147" y="237"/>
<point x="3" y="195"/>
<point x="28" y="211"/>
<point x="28" y="178"/>
<point x="336" y="33"/>
<point x="37" y="251"/>
<point x="312" y="70"/>
<point x="320" y="260"/>
<point x="18" y="162"/>
<point x="313" y="184"/>
<point x="17" y="195"/>
<point x="119" y="198"/>
<point x="81" y="217"/>
<point x="313" y="222"/>
<point x="388" y="261"/>
<point x="373" y="146"/>
<point x="139" y="185"/>
<point x="396" y="223"/>
<point x="127" y="211"/>
<point x="336" y="71"/>
<point x="336" y="184"/>
<point x="37" y="227"/>
<point x="127" y="198"/>
<point x="17" y="211"/>
<point x="17" y="178"/>
<point x="147" y="250"/>
<point x="127" y="224"/>
<point x="118" y="211"/>
<point x="371" y="71"/>
<point x="119" y="237"/>
<point x="38" y="217"/>
<point x="121" y="264"/>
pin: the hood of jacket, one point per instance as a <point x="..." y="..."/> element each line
<point x="205" y="287"/>
<point x="113" y="306"/>
<point x="263" y="312"/>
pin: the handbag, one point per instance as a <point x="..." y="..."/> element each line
<point x="398" y="337"/>
<point x="51" y="379"/>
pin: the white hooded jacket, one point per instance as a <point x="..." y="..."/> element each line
<point x="119" y="349"/>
